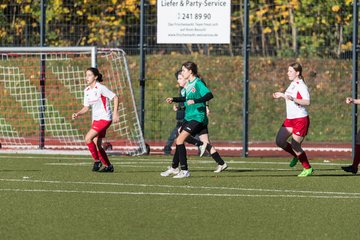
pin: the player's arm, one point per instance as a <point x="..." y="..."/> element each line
<point x="81" y="112"/>
<point x="350" y="100"/>
<point x="116" y="108"/>
<point x="176" y="99"/>
<point x="278" y="95"/>
<point x="303" y="102"/>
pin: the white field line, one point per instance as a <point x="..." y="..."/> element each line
<point x="160" y="149"/>
<point x="162" y="162"/>
<point x="177" y="194"/>
<point x="220" y="148"/>
<point x="141" y="185"/>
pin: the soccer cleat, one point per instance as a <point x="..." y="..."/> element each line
<point x="202" y="149"/>
<point x="182" y="174"/>
<point x="293" y="162"/>
<point x="350" y="168"/>
<point x="170" y="171"/>
<point x="97" y="165"/>
<point x="109" y="168"/>
<point x="221" y="168"/>
<point x="306" y="172"/>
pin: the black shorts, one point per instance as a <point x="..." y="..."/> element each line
<point x="194" y="128"/>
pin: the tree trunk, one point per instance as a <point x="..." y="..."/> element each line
<point x="293" y="30"/>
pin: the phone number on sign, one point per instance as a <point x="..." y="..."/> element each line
<point x="195" y="16"/>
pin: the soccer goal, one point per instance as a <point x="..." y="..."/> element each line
<point x="42" y="87"/>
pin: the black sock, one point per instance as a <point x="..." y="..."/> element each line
<point x="175" y="161"/>
<point x="182" y="156"/>
<point x="194" y="141"/>
<point x="217" y="158"/>
<point x="208" y="147"/>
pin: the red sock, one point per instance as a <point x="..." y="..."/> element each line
<point x="356" y="160"/>
<point x="93" y="151"/>
<point x="304" y="160"/>
<point x="289" y="149"/>
<point x="103" y="157"/>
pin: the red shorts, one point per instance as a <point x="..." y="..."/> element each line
<point x="300" y="126"/>
<point x="100" y="126"/>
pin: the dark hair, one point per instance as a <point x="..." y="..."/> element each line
<point x="298" y="68"/>
<point x="96" y="73"/>
<point x="193" y="67"/>
<point x="178" y="72"/>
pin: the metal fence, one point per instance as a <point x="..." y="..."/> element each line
<point x="315" y="33"/>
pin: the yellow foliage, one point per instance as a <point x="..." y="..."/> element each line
<point x="261" y="12"/>
<point x="152" y="2"/>
<point x="285" y="14"/>
<point x="347" y="46"/>
<point x="80" y="13"/>
<point x="295" y="4"/>
<point x="27" y="9"/>
<point x="267" y="30"/>
<point x="335" y="8"/>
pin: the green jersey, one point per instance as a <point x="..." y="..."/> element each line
<point x="197" y="111"/>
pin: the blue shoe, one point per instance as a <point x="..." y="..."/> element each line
<point x="109" y="168"/>
<point x="350" y="169"/>
<point x="96" y="167"/>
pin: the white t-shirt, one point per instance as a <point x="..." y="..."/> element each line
<point x="296" y="90"/>
<point x="98" y="98"/>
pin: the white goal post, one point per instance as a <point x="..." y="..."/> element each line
<point x="42" y="86"/>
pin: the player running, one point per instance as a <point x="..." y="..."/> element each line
<point x="195" y="95"/>
<point x="297" y="119"/>
<point x="97" y="96"/>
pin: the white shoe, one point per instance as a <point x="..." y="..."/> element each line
<point x="182" y="174"/>
<point x="170" y="171"/>
<point x="202" y="149"/>
<point x="221" y="168"/>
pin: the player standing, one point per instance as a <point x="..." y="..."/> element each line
<point x="297" y="119"/>
<point x="98" y="97"/>
<point x="355" y="164"/>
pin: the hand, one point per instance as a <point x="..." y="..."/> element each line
<point x="74" y="116"/>
<point x="349" y="100"/>
<point x="189" y="102"/>
<point x="207" y="111"/>
<point x="175" y="108"/>
<point x="278" y="95"/>
<point x="115" y="118"/>
<point x="169" y="100"/>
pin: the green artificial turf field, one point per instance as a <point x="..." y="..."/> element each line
<point x="58" y="197"/>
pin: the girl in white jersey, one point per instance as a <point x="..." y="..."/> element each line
<point x="297" y="119"/>
<point x="97" y="96"/>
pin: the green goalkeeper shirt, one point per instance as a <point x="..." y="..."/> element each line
<point x="197" y="111"/>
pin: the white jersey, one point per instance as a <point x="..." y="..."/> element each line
<point x="98" y="98"/>
<point x="297" y="90"/>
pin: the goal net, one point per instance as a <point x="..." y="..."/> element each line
<point x="42" y="87"/>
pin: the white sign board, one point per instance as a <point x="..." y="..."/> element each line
<point x="193" y="21"/>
